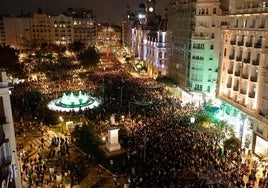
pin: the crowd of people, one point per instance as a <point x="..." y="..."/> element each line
<point x="163" y="148"/>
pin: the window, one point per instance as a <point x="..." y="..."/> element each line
<point x="160" y="55"/>
<point x="212" y="35"/>
<point x="199" y="46"/>
<point x="262" y="23"/>
<point x="213" y="23"/>
<point x="253" y="23"/>
<point x="245" y="23"/>
<point x="211" y="46"/>
<point x="214" y="10"/>
<point x="198" y="87"/>
<point x="236" y="23"/>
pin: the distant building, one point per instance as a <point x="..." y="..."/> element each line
<point x="41" y="28"/>
<point x="180" y="27"/>
<point x="17" y="31"/>
<point x="84" y="26"/>
<point x="144" y="36"/>
<point x="2" y="32"/>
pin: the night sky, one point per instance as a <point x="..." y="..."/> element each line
<point x="111" y="11"/>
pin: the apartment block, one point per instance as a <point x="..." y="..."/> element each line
<point x="9" y="167"/>
<point x="244" y="65"/>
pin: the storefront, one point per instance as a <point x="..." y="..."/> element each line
<point x="261" y="147"/>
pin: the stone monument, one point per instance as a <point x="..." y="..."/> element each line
<point x="112" y="144"/>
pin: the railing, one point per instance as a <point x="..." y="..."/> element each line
<point x="249" y="44"/>
<point x="246" y="60"/>
<point x="251" y="94"/>
<point x="232" y="42"/>
<point x="240" y="43"/>
<point x="257" y="45"/>
<point x="235" y="88"/>
<point x="253" y="79"/>
<point x="256" y="62"/>
<point x="238" y="58"/>
<point x="243" y="91"/>
<point x="237" y="73"/>
<point x="245" y="76"/>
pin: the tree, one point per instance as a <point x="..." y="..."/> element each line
<point x="9" y="61"/>
<point x="89" y="58"/>
<point x="232" y="144"/>
<point x="77" y="47"/>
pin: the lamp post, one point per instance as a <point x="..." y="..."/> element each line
<point x="61" y="121"/>
<point x="129" y="103"/>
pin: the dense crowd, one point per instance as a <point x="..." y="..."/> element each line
<point x="163" y="148"/>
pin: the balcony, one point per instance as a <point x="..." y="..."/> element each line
<point x="232" y="42"/>
<point x="248" y="44"/>
<point x="262" y="26"/>
<point x="230" y="71"/>
<point x="257" y="45"/>
<point x="251" y="94"/>
<point x="237" y="73"/>
<point x="246" y="60"/>
<point x="238" y="58"/>
<point x="235" y="88"/>
<point x="253" y="78"/>
<point x="240" y="43"/>
<point x="243" y="91"/>
<point x="256" y="62"/>
<point x="231" y="57"/>
<point x="245" y="76"/>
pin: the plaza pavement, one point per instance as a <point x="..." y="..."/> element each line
<point x="94" y="178"/>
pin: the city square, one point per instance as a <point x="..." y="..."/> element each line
<point x="171" y="100"/>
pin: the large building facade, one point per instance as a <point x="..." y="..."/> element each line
<point x="144" y="36"/>
<point x="42" y="28"/>
<point x="243" y="78"/>
<point x="9" y="168"/>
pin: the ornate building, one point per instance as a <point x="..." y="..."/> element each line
<point x="244" y="65"/>
<point x="147" y="39"/>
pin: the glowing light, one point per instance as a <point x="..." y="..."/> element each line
<point x="72" y="102"/>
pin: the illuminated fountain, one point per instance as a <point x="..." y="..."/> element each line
<point x="73" y="102"/>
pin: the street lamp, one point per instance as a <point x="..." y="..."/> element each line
<point x="61" y="120"/>
<point x="129" y="103"/>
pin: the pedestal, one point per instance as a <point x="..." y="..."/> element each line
<point x="113" y="144"/>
